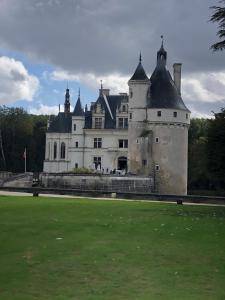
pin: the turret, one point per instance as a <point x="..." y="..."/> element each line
<point x="138" y="87"/>
<point x="67" y="101"/>
<point x="78" y="123"/>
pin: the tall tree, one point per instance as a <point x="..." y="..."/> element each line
<point x="219" y="17"/>
<point x="18" y="130"/>
<point x="198" y="173"/>
<point x="216" y="150"/>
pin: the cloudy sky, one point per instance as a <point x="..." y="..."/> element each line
<point x="46" y="43"/>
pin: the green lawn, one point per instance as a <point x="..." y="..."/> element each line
<point x="53" y="248"/>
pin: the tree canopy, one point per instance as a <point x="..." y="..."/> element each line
<point x="20" y="130"/>
<point x="219" y="17"/>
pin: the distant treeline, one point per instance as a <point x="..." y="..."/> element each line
<point x="206" y="157"/>
<point x="206" y="161"/>
<point x="20" y="130"/>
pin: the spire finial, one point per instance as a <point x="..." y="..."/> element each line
<point x="79" y="93"/>
<point x="140" y="58"/>
<point x="67" y="84"/>
<point x="162" y="38"/>
<point x="101" y="84"/>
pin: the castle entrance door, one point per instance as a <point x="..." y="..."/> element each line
<point x="122" y="163"/>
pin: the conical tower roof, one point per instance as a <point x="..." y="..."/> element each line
<point x="163" y="92"/>
<point x="78" y="110"/>
<point x="139" y="73"/>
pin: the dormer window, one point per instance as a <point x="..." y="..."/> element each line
<point x="98" y="123"/>
<point x="98" y="108"/>
<point x="124" y="108"/>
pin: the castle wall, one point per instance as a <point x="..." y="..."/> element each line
<point x="57" y="164"/>
<point x="82" y="154"/>
<point x="137" y="93"/>
<point x="98" y="182"/>
<point x="170" y="158"/>
<point x="109" y="152"/>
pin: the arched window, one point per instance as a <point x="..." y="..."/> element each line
<point x="48" y="151"/>
<point x="55" y="150"/>
<point x="63" y="150"/>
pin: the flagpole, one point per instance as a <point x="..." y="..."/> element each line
<point x="25" y="160"/>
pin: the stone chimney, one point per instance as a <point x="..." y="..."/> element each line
<point x="177" y="76"/>
<point x="104" y="91"/>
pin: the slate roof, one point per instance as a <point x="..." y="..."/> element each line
<point x="163" y="92"/>
<point x="61" y="123"/>
<point x="139" y="73"/>
<point x="78" y="110"/>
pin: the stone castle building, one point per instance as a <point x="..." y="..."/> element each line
<point x="144" y="133"/>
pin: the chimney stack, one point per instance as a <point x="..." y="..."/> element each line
<point x="177" y="76"/>
<point x="104" y="91"/>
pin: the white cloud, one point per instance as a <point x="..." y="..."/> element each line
<point x="197" y="114"/>
<point x="15" y="81"/>
<point x="116" y="82"/>
<point x="201" y="92"/>
<point x="47" y="110"/>
<point x="204" y="87"/>
<point x="44" y="110"/>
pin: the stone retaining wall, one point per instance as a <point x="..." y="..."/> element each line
<point x="98" y="182"/>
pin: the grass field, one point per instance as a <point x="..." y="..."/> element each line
<point x="53" y="248"/>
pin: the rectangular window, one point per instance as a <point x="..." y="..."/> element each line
<point x="144" y="162"/>
<point x="186" y="116"/>
<point x="175" y="114"/>
<point x="120" y="143"/>
<point x="76" y="144"/>
<point x="156" y="139"/>
<point x="76" y="165"/>
<point x="120" y="125"/>
<point x="97" y="161"/>
<point x="98" y="123"/>
<point x="130" y="116"/>
<point x="74" y="127"/>
<point x="157" y="168"/>
<point x="125" y="122"/>
<point x="97" y="142"/>
<point x="159" y="113"/>
<point x="123" y="143"/>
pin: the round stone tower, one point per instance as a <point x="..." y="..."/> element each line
<point x="161" y="132"/>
